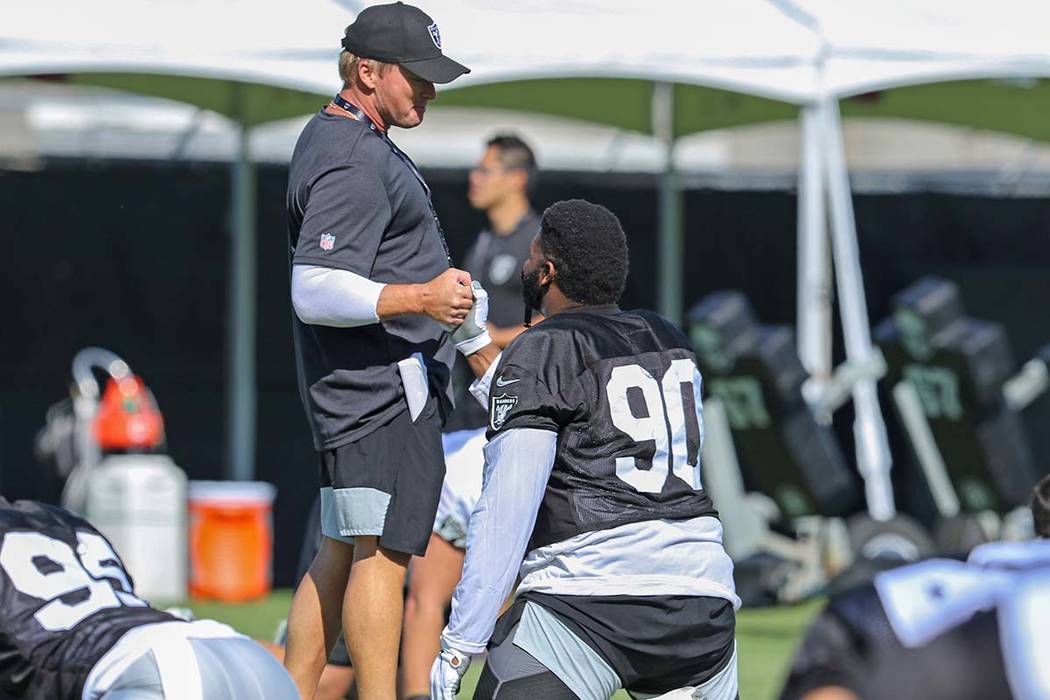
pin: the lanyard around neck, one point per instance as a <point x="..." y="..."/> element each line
<point x="358" y="113"/>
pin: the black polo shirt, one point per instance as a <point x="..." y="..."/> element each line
<point x="496" y="261"/>
<point x="353" y="204"/>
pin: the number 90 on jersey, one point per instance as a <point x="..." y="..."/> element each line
<point x="666" y="424"/>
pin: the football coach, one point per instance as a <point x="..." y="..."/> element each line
<point x="373" y="292"/>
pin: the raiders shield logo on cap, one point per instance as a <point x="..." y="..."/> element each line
<point x="435" y="35"/>
<point x="501" y="406"/>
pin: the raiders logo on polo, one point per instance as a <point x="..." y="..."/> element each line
<point x="503" y="268"/>
<point x="435" y="35"/>
<point x="501" y="406"/>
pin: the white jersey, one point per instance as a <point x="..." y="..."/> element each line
<point x="653" y="557"/>
<point x="464" y="463"/>
<point x="1011" y="555"/>
<point x="173" y="655"/>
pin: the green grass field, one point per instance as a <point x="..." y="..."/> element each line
<point x="766" y="638"/>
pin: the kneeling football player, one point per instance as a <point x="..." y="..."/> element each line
<point x="72" y="628"/>
<point x="592" y="493"/>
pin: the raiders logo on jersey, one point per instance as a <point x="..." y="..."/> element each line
<point x="501" y="406"/>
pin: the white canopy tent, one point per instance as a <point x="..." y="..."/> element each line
<point x="668" y="67"/>
<point x="868" y="48"/>
<point x="258" y="61"/>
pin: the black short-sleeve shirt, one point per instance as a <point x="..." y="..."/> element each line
<point x="353" y="204"/>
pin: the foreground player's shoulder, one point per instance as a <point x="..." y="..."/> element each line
<point x="669" y="335"/>
<point x="545" y="342"/>
<point x="533" y="384"/>
<point x="40" y="517"/>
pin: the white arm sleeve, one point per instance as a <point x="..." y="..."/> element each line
<point x="517" y="466"/>
<point x="324" y="296"/>
<point x="479" y="388"/>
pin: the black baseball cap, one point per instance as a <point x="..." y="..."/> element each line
<point x="400" y="33"/>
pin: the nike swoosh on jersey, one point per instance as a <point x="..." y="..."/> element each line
<point x="500" y="381"/>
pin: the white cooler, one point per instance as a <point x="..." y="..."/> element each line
<point x="139" y="503"/>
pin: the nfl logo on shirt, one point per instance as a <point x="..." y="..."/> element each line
<point x="327" y="241"/>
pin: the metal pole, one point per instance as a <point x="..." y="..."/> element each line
<point x="671" y="245"/>
<point x="240" y="366"/>
<point x="873" y="452"/>
<point x="814" y="256"/>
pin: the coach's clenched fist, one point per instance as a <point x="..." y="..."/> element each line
<point x="447" y="298"/>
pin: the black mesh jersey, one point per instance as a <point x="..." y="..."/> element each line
<point x="65" y="600"/>
<point x="622" y="390"/>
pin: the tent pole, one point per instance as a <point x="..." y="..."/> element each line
<point x="240" y="369"/>
<point x="671" y="245"/>
<point x="873" y="453"/>
<point x="814" y="255"/>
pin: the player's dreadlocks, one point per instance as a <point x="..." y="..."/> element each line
<point x="589" y="249"/>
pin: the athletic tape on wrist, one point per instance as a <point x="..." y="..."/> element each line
<point x="472" y="345"/>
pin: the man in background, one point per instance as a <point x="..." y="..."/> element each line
<point x="500" y="185"/>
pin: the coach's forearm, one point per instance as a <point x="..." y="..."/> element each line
<point x="401" y="299"/>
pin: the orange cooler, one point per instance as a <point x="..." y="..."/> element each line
<point x="231" y="539"/>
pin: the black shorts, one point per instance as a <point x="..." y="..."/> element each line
<point x="387" y="483"/>
<point x="653" y="643"/>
